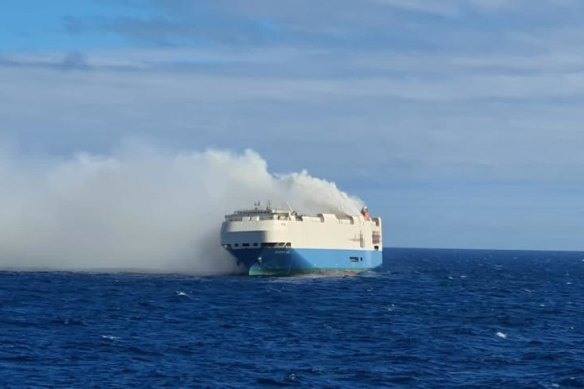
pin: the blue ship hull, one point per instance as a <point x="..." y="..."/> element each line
<point x="286" y="261"/>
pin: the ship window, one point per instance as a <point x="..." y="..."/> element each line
<point x="255" y="244"/>
<point x="245" y="244"/>
<point x="376" y="247"/>
<point x="236" y="245"/>
<point x="354" y="259"/>
<point x="288" y="244"/>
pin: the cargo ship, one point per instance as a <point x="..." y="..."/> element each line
<point x="279" y="242"/>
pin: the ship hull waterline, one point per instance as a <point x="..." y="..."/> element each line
<point x="291" y="261"/>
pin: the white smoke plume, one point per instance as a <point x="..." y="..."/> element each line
<point x="142" y="210"/>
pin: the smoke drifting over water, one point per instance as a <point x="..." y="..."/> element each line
<point x="140" y="210"/>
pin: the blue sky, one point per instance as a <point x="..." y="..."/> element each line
<point x="458" y="121"/>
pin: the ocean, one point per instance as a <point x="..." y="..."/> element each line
<point x="428" y="319"/>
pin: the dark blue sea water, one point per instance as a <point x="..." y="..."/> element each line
<point x="429" y="318"/>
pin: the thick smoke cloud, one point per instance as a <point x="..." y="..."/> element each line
<point x="140" y="209"/>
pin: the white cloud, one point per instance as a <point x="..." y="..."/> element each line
<point x="361" y="94"/>
<point x="450" y="93"/>
<point x="443" y="8"/>
<point x="460" y="7"/>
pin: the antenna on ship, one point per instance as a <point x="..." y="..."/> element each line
<point x="292" y="211"/>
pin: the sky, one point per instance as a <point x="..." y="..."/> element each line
<point x="458" y="122"/>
